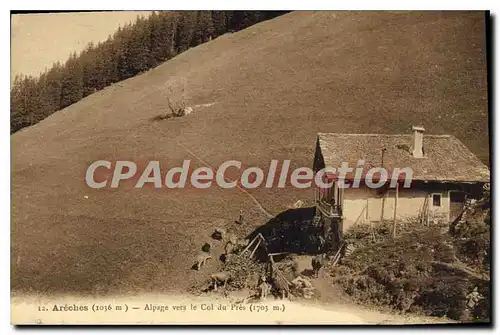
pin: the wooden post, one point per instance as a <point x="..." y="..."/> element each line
<point x="383" y="205"/>
<point x="249" y="244"/>
<point x="395" y="211"/>
<point x="427" y="210"/>
<point x="255" y="249"/>
<point x="271" y="263"/>
<point x="240" y="218"/>
<point x="366" y="213"/>
<point x="385" y="192"/>
<point x="342" y="201"/>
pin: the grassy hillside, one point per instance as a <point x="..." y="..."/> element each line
<point x="273" y="87"/>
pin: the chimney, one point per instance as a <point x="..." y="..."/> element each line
<point x="418" y="142"/>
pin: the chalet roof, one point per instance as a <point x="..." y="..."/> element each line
<point x="445" y="157"/>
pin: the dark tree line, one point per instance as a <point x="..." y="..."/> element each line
<point x="132" y="49"/>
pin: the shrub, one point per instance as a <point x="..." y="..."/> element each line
<point x="416" y="272"/>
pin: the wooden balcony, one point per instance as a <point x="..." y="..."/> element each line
<point x="329" y="210"/>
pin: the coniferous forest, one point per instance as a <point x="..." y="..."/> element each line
<point x="134" y="48"/>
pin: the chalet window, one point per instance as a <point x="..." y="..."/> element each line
<point x="436" y="200"/>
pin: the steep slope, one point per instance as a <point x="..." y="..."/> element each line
<point x="273" y="87"/>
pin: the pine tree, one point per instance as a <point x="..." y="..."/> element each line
<point x="157" y="52"/>
<point x="236" y="20"/>
<point x="121" y="44"/>
<point x="219" y="22"/>
<point x="90" y="71"/>
<point x="72" y="82"/>
<point x="25" y="102"/>
<point x="109" y="55"/>
<point x="169" y="23"/>
<point x="18" y="108"/>
<point x="185" y="30"/>
<point x="53" y="87"/>
<point x="249" y="18"/>
<point x="138" y="44"/>
<point x="162" y="27"/>
<point x="204" y="28"/>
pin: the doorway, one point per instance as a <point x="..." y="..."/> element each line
<point x="457" y="200"/>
